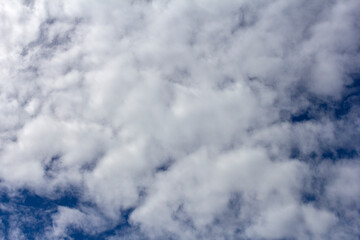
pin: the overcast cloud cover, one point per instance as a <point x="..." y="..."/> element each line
<point x="179" y="119"/>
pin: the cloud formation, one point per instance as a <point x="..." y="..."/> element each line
<point x="169" y="119"/>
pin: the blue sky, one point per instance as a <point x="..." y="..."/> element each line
<point x="180" y="120"/>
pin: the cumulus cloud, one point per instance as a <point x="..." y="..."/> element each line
<point x="170" y="119"/>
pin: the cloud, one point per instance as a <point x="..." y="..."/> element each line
<point x="180" y="119"/>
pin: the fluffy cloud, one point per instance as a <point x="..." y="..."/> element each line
<point x="185" y="119"/>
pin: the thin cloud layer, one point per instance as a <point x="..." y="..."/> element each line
<point x="161" y="119"/>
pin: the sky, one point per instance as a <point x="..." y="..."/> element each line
<point x="180" y="119"/>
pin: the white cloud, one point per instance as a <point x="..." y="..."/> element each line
<point x="172" y="108"/>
